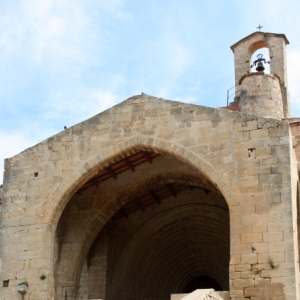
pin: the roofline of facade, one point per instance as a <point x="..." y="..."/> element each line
<point x="265" y="34"/>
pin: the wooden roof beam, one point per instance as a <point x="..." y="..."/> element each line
<point x="111" y="172"/>
<point x="172" y="191"/>
<point x="139" y="204"/>
<point x="94" y="182"/>
<point x="155" y="197"/>
<point x="124" y="213"/>
<point x="206" y="191"/>
<point x="129" y="164"/>
<point x="148" y="157"/>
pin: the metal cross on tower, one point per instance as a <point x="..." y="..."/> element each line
<point x="259" y="27"/>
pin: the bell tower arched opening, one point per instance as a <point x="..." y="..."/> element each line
<point x="263" y="54"/>
<point x="259" y="47"/>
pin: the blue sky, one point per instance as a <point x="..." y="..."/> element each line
<point x="63" y="61"/>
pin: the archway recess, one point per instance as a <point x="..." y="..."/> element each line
<point x="180" y="244"/>
<point x="165" y="224"/>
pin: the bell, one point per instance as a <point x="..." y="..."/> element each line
<point x="260" y="67"/>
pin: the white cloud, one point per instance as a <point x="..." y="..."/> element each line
<point x="39" y="28"/>
<point x="74" y="108"/>
<point x="55" y="33"/>
<point x="177" y="55"/>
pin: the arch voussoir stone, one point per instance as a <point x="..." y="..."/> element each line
<point x="87" y="170"/>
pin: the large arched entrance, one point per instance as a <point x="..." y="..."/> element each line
<point x="158" y="225"/>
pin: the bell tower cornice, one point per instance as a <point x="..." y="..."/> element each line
<point x="260" y="34"/>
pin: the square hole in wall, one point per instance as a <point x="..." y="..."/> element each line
<point x="5" y="283"/>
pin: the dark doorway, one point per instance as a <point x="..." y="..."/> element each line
<point x="202" y="282"/>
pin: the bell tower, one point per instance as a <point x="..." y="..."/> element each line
<point x="257" y="92"/>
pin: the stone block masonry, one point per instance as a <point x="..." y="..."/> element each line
<point x="47" y="229"/>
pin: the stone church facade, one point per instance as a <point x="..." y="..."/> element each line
<point x="155" y="197"/>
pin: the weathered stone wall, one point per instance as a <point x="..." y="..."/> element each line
<point x="83" y="293"/>
<point x="97" y="258"/>
<point x="295" y="130"/>
<point x="0" y="197"/>
<point x="260" y="94"/>
<point x="247" y="158"/>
